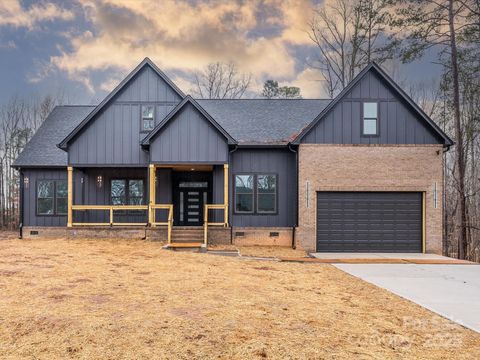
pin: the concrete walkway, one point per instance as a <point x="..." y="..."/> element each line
<point x="411" y="256"/>
<point x="452" y="291"/>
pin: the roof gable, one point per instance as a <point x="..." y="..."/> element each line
<point x="147" y="65"/>
<point x="349" y="92"/>
<point x="187" y="100"/>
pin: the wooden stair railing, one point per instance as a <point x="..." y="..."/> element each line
<point x="168" y="223"/>
<point x="223" y="207"/>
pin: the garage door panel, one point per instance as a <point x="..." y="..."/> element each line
<point x="369" y="221"/>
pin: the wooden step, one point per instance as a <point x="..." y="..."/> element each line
<point x="185" y="245"/>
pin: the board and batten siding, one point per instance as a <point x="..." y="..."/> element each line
<point x="189" y="138"/>
<point x="113" y="136"/>
<point x="30" y="217"/>
<point x="266" y="161"/>
<point x="397" y="123"/>
<point x="88" y="192"/>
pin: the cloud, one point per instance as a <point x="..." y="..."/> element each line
<point x="13" y="14"/>
<point x="311" y="84"/>
<point x="184" y="36"/>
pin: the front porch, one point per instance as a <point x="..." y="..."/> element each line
<point x="171" y="199"/>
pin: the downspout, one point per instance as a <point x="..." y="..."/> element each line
<point x="295" y="151"/>
<point x="20" y="225"/>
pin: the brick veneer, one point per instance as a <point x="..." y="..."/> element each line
<point x="370" y="168"/>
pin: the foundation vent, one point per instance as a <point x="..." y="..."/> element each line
<point x="274" y="234"/>
<point x="239" y="233"/>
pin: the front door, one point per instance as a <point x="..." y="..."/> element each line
<point x="191" y="192"/>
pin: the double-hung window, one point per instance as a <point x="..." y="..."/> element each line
<point x="266" y="194"/>
<point x="148" y="120"/>
<point x="244" y="194"/>
<point x="256" y="194"/>
<point x="52" y="197"/>
<point x="370" y="119"/>
<point x="127" y="191"/>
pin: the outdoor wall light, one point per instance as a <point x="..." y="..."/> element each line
<point x="26" y="181"/>
<point x="99" y="181"/>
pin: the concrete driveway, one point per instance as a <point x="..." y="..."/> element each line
<point x="452" y="291"/>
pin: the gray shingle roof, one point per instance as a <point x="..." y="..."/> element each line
<point x="264" y="121"/>
<point x="252" y="121"/>
<point x="42" y="149"/>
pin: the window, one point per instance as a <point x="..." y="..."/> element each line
<point x="256" y="194"/>
<point x="126" y="192"/>
<point x="45" y="197"/>
<point x="244" y="193"/>
<point x="61" y="197"/>
<point x="266" y="194"/>
<point x="52" y="197"/>
<point x="370" y="118"/>
<point x="148" y="122"/>
<point x="135" y="192"/>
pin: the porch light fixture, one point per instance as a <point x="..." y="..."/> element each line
<point x="192" y="169"/>
<point x="99" y="181"/>
<point x="26" y="181"/>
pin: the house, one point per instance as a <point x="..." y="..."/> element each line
<point x="361" y="172"/>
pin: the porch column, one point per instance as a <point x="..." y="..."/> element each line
<point x="225" y="192"/>
<point x="151" y="191"/>
<point x="69" y="196"/>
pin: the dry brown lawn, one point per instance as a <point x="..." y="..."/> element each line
<point x="132" y="300"/>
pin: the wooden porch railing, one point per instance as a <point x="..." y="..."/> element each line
<point x="168" y="223"/>
<point x="206" y="224"/>
<point x="111" y="209"/>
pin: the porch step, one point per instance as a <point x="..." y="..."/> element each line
<point x="187" y="246"/>
<point x="187" y="234"/>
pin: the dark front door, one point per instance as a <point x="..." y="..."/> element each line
<point x="369" y="221"/>
<point x="191" y="191"/>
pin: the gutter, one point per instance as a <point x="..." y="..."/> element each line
<point x="20" y="227"/>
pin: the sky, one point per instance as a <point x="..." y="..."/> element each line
<point x="84" y="48"/>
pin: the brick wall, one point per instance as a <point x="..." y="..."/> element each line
<point x="370" y="168"/>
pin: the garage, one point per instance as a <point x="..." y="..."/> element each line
<point x="369" y="221"/>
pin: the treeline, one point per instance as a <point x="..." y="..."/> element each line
<point x="19" y="119"/>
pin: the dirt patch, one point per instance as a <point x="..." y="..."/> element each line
<point x="198" y="306"/>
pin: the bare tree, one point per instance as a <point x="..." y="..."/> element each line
<point x="349" y="35"/>
<point x="438" y="23"/>
<point x="221" y="81"/>
<point x="19" y="119"/>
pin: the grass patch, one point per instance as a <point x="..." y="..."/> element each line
<point x="131" y="299"/>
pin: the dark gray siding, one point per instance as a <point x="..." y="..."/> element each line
<point x="261" y="161"/>
<point x="87" y="192"/>
<point x="397" y="123"/>
<point x="30" y="218"/>
<point x="113" y="137"/>
<point x="189" y="138"/>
